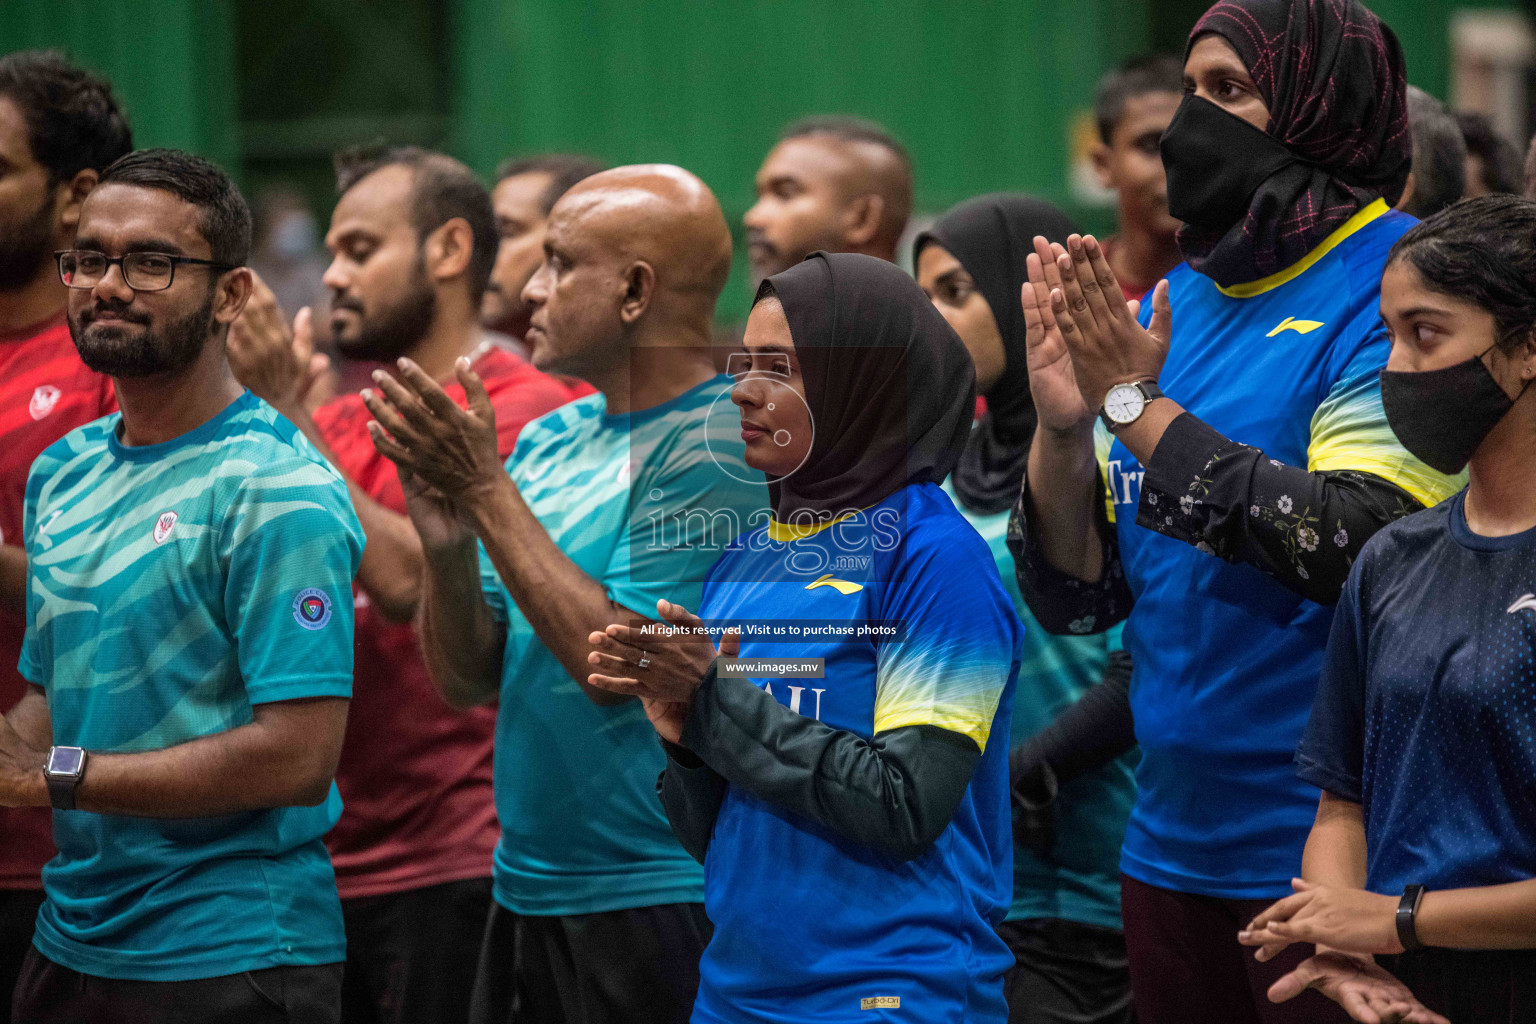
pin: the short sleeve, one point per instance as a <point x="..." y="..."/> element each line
<point x="29" y="664"/>
<point x="701" y="510"/>
<point x="959" y="642"/>
<point x="1332" y="749"/>
<point x="1349" y="429"/>
<point x="293" y="545"/>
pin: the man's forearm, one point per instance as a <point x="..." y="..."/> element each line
<point x="392" y="565"/>
<point x="30" y="719"/>
<point x="560" y="601"/>
<point x="13" y="579"/>
<point x="1062" y="488"/>
<point x="461" y="642"/>
<point x="285" y="757"/>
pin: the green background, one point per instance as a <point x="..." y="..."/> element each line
<point x="983" y="92"/>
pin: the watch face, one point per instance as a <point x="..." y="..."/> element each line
<point x="1124" y="403"/>
<point x="65" y="761"/>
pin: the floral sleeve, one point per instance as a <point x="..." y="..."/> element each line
<point x="1231" y="500"/>
<point x="1063" y="604"/>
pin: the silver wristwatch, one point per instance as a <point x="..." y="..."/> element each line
<point x="65" y="769"/>
<point x="1126" y="402"/>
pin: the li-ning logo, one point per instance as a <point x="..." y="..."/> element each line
<point x="43" y="400"/>
<point x="1290" y="323"/>
<point x="1524" y="601"/>
<point x="841" y="586"/>
<point x="163" y="526"/>
<point x="312" y="608"/>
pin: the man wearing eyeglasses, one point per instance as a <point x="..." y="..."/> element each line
<point x="607" y="504"/>
<point x="188" y="642"/>
<point x="59" y="127"/>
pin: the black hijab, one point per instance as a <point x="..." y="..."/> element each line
<point x="1332" y="77"/>
<point x="890" y="388"/>
<point x="991" y="236"/>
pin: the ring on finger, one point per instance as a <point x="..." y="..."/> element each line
<point x="644" y="662"/>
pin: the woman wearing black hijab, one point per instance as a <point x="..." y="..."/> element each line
<point x="1064" y="923"/>
<point x="852" y="817"/>
<point x="1246" y="458"/>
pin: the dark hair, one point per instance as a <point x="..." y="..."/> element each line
<point x="1439" y="155"/>
<point x="564" y="170"/>
<point x="1150" y="72"/>
<point x="73" y="122"/>
<point x="225" y="219"/>
<point x="441" y="189"/>
<point x="848" y="129"/>
<point x="1481" y="250"/>
<point x="1503" y="170"/>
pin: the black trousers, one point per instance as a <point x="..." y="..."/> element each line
<point x="1066" y="973"/>
<point x="51" y="994"/>
<point x="636" y="966"/>
<point x="411" y="955"/>
<point x="1473" y="985"/>
<point x="18" y="920"/>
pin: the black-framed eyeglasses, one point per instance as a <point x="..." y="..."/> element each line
<point x="142" y="271"/>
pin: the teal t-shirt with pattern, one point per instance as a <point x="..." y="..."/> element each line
<point x="1080" y="879"/>
<point x="171" y="589"/>
<point x="644" y="504"/>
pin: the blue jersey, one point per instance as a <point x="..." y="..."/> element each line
<point x="1079" y="880"/>
<point x="1226" y="658"/>
<point x="643" y="504"/>
<point x="810" y="925"/>
<point x="1426" y="713"/>
<point x="173" y="587"/>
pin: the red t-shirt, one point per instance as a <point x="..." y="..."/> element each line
<point x="415" y="774"/>
<point x="45" y="392"/>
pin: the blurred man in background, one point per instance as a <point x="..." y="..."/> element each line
<point x="599" y="915"/>
<point x="1493" y="162"/>
<point x="413" y="239"/>
<point x="841" y="184"/>
<point x="526" y="189"/>
<point x="1440" y="163"/>
<point x="1132" y="107"/>
<point x="59" y="128"/>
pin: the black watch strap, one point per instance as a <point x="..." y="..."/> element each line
<point x="1407" y="912"/>
<point x="61" y="791"/>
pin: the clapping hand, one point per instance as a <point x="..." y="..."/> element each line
<point x="661" y="668"/>
<point x="278" y="363"/>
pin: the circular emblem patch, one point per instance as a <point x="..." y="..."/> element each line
<point x="312" y="608"/>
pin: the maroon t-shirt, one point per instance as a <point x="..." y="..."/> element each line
<point x="45" y="392"/>
<point x="415" y="774"/>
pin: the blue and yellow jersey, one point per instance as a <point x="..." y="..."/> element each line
<point x="172" y="588"/>
<point x="1079" y="879"/>
<point x="643" y="504"/>
<point x="1227" y="658"/>
<point x="902" y="603"/>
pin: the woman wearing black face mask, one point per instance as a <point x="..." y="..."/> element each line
<point x="1238" y="501"/>
<point x="1423" y="736"/>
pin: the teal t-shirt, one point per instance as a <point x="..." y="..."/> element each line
<point x="171" y="588"/>
<point x="1080" y="880"/>
<point x="644" y="504"/>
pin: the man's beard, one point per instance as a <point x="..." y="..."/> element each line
<point x="117" y="352"/>
<point x="25" y="247"/>
<point x="391" y="332"/>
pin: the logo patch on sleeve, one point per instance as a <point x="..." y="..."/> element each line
<point x="312" y="608"/>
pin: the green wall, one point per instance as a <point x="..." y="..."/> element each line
<point x="171" y="62"/>
<point x="983" y="92"/>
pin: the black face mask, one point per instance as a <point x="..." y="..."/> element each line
<point x="1441" y="416"/>
<point x="1216" y="161"/>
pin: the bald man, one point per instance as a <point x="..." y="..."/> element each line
<point x="841" y="184"/>
<point x="607" y="505"/>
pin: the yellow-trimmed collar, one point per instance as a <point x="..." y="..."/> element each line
<point x="786" y="532"/>
<point x="1362" y="217"/>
